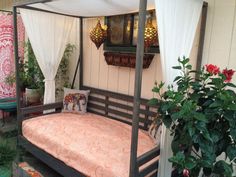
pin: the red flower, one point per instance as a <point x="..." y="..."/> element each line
<point x="186" y="172"/>
<point x="212" y="69"/>
<point x="228" y="74"/>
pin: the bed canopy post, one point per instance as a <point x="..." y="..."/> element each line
<point x="80" y="54"/>
<point x="18" y="101"/>
<point x="137" y="88"/>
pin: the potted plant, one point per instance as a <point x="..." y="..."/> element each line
<point x="200" y="112"/>
<point x="31" y="77"/>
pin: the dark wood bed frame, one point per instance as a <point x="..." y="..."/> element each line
<point x="109" y="104"/>
<point x="131" y="110"/>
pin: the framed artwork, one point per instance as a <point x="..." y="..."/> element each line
<point x="123" y="31"/>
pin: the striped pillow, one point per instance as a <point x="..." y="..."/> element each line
<point x="154" y="132"/>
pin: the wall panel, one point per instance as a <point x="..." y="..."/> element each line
<point x="6" y="4"/>
<point x="219" y="48"/>
<point x="119" y="79"/>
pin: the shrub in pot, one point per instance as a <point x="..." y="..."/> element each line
<point x="200" y="112"/>
<point x="32" y="77"/>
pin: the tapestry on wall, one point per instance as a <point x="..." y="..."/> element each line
<point x="7" y="64"/>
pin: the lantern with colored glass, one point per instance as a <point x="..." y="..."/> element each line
<point x="98" y="35"/>
<point x="150" y="34"/>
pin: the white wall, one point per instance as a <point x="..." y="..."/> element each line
<point x="6" y="5"/>
<point x="219" y="49"/>
<point x="119" y="79"/>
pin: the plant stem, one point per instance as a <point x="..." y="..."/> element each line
<point x="195" y="153"/>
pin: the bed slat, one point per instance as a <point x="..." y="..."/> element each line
<point x="149" y="169"/>
<point x="148" y="156"/>
<point x="119" y="105"/>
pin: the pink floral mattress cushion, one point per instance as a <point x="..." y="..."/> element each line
<point x="92" y="144"/>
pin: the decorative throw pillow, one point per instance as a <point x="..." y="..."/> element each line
<point x="154" y="131"/>
<point x="75" y="100"/>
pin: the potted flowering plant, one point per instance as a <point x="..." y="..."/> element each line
<point x="201" y="115"/>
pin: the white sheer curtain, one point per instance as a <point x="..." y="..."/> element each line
<point x="48" y="34"/>
<point x="177" y="24"/>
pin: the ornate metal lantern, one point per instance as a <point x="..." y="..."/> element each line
<point x="98" y="35"/>
<point x="150" y="34"/>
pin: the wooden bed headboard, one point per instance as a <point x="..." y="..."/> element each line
<point x="113" y="105"/>
<point x="118" y="106"/>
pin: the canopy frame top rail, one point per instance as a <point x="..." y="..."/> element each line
<point x="26" y="5"/>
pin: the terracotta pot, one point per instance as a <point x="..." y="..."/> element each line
<point x="32" y="96"/>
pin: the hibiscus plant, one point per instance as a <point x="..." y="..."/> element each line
<point x="200" y="111"/>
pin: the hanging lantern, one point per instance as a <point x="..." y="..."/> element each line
<point x="98" y="35"/>
<point x="150" y="34"/>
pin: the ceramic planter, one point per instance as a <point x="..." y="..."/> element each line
<point x="32" y="96"/>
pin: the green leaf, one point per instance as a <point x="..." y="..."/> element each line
<point x="222" y="168"/>
<point x="216" y="104"/>
<point x="189" y="67"/>
<point x="231" y="85"/>
<point x="200" y="116"/>
<point x="205" y="163"/>
<point x="177" y="78"/>
<point x="167" y="121"/>
<point x="156" y="90"/>
<point x="190" y="162"/>
<point x="211" y="92"/>
<point x="222" y="145"/>
<point x="231" y="152"/>
<point x="232" y="107"/>
<point x="178" y="159"/>
<point x="185" y="61"/>
<point x="191" y="131"/>
<point x="207" y="171"/>
<point x="177" y="67"/>
<point x="153" y="102"/>
<point x="233" y="133"/>
<point x="215" y="135"/>
<point x="207" y="103"/>
<point x="176" y="116"/>
<point x="207" y="135"/>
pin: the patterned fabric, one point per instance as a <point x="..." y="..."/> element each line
<point x="75" y="100"/>
<point x="154" y="132"/>
<point x="92" y="144"/>
<point x="6" y="52"/>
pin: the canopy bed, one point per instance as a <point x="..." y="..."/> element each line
<point x="123" y="109"/>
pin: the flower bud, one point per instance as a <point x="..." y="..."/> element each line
<point x="186" y="173"/>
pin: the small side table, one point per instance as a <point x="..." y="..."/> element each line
<point x="7" y="105"/>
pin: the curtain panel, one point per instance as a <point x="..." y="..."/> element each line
<point x="177" y="24"/>
<point x="48" y="34"/>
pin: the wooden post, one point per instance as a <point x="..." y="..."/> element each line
<point x="81" y="54"/>
<point x="202" y="35"/>
<point x="18" y="96"/>
<point x="137" y="88"/>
